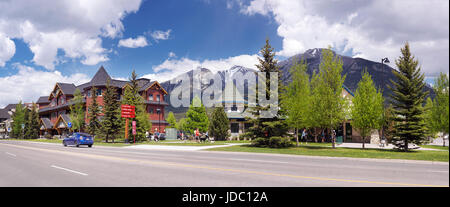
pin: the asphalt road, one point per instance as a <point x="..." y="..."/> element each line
<point x="44" y="164"/>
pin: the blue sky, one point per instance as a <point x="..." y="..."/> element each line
<point x="47" y="41"/>
<point x="199" y="30"/>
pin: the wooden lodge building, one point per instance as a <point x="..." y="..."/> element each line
<point x="54" y="109"/>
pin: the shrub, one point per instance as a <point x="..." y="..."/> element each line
<point x="260" y="142"/>
<point x="280" y="142"/>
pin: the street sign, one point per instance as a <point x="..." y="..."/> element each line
<point x="69" y="124"/>
<point x="133" y="123"/>
<point x="128" y="111"/>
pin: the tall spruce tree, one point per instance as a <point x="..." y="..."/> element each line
<point x="219" y="125"/>
<point x="367" y="110"/>
<point x="18" y="118"/>
<point x="296" y="98"/>
<point x="263" y="126"/>
<point x="408" y="97"/>
<point x="111" y="122"/>
<point x="32" y="123"/>
<point x="77" y="114"/>
<point x="132" y="97"/>
<point x="94" y="113"/>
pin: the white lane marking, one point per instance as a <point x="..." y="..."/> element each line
<point x="72" y="171"/>
<point x="256" y="160"/>
<point x="437" y="171"/>
<point x="11" y="154"/>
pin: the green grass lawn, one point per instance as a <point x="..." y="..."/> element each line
<point x="435" y="147"/>
<point x="319" y="149"/>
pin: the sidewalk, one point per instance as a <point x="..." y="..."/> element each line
<point x="375" y="146"/>
<point x="182" y="148"/>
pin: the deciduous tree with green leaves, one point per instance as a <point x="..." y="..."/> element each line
<point x="77" y="113"/>
<point x="440" y="109"/>
<point x="327" y="86"/>
<point x="367" y="110"/>
<point x="296" y="98"/>
<point x="171" y="120"/>
<point x="18" y="118"/>
<point x="196" y="117"/>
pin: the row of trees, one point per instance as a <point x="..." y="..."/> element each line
<point x="25" y="123"/>
<point x="106" y="122"/>
<point x="217" y="124"/>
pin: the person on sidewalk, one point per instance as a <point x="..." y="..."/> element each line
<point x="305" y="136"/>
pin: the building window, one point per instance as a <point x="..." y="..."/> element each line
<point x="89" y="93"/>
<point x="157" y="98"/>
<point x="234" y="127"/>
<point x="99" y="92"/>
<point x="150" y="110"/>
<point x="150" y="97"/>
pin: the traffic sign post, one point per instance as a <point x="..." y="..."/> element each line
<point x="128" y="111"/>
<point x="133" y="124"/>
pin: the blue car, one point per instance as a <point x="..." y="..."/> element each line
<point x="78" y="139"/>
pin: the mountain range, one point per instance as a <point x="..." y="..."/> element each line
<point x="352" y="67"/>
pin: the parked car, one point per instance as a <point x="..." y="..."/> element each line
<point x="78" y="139"/>
<point x="162" y="136"/>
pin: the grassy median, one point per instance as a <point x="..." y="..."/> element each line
<point x="319" y="149"/>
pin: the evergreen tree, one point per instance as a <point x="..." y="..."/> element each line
<point x="32" y="123"/>
<point x="408" y="96"/>
<point x="196" y="117"/>
<point x="93" y="113"/>
<point x="171" y="120"/>
<point x="77" y="114"/>
<point x="219" y="125"/>
<point x="111" y="122"/>
<point x="296" y="98"/>
<point x="26" y="130"/>
<point x="263" y="126"/>
<point x="132" y="97"/>
<point x="367" y="110"/>
<point x="18" y="118"/>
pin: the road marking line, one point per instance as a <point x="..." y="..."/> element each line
<point x="256" y="160"/>
<point x="11" y="154"/>
<point x="72" y="171"/>
<point x="104" y="157"/>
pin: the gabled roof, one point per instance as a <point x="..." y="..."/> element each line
<point x="67" y="88"/>
<point x="4" y="114"/>
<point x="47" y="123"/>
<point x="62" y="117"/>
<point x="10" y="106"/>
<point x="43" y="99"/>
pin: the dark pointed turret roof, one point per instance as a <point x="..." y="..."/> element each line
<point x="101" y="77"/>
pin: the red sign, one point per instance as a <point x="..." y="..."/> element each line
<point x="128" y="111"/>
<point x="133" y="123"/>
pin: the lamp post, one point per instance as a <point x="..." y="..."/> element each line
<point x="383" y="60"/>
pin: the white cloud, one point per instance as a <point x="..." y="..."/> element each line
<point x="371" y="29"/>
<point x="172" y="68"/>
<point x="140" y="41"/>
<point x="172" y="54"/>
<point x="161" y="35"/>
<point x="75" y="27"/>
<point x="7" y="49"/>
<point x="29" y="84"/>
